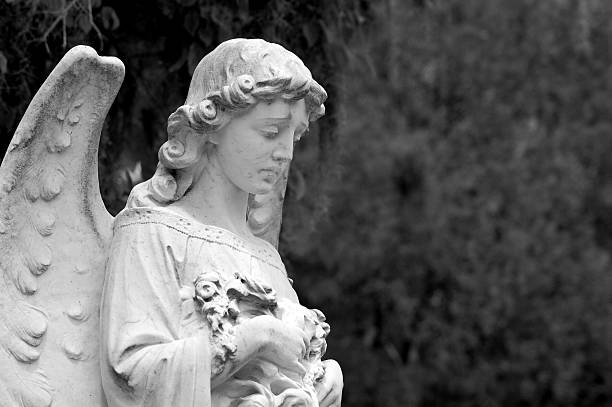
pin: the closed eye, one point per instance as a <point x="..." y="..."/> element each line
<point x="269" y="132"/>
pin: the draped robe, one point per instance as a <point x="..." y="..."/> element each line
<point x="155" y="350"/>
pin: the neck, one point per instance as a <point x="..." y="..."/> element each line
<point x="214" y="200"/>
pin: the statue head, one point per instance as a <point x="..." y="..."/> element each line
<point x="231" y="80"/>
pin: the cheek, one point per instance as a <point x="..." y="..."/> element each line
<point x="251" y="150"/>
<point x="245" y="157"/>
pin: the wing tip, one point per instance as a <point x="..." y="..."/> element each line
<point x="84" y="53"/>
<point x="77" y="61"/>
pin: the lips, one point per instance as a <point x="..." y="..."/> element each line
<point x="270" y="175"/>
<point x="270" y="171"/>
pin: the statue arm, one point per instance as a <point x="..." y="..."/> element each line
<point x="147" y="356"/>
<point x="329" y="389"/>
<point x="156" y="348"/>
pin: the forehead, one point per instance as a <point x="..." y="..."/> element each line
<point x="281" y="109"/>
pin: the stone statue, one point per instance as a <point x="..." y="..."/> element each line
<point x="182" y="299"/>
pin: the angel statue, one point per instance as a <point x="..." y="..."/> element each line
<point x="182" y="299"/>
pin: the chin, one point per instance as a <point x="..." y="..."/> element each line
<point x="262" y="188"/>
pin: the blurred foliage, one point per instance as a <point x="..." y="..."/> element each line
<point x="467" y="257"/>
<point x="452" y="215"/>
<point x="160" y="43"/>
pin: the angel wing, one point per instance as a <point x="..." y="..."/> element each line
<point x="54" y="231"/>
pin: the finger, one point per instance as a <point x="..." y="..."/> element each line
<point x="293" y="336"/>
<point x="330" y="400"/>
<point x="327" y="396"/>
<point x="332" y="364"/>
<point x="305" y="339"/>
<point x="323" y="388"/>
<point x="298" y="368"/>
<point x="310" y="329"/>
<point x="294" y="368"/>
<point x="304" y="352"/>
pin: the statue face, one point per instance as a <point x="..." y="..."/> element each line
<point x="255" y="147"/>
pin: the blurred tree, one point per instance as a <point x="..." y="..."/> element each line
<point x="35" y="35"/>
<point x="468" y="258"/>
<point x="451" y="214"/>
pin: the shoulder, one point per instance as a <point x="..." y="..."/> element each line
<point x="150" y="219"/>
<point x="145" y="233"/>
<point x="166" y="224"/>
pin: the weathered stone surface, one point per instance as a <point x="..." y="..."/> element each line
<point x="53" y="218"/>
<point x="196" y="307"/>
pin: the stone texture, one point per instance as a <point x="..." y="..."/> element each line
<point x="197" y="308"/>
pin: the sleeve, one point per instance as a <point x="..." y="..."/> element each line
<point x="144" y="360"/>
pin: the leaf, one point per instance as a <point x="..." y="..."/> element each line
<point x="192" y="20"/>
<point x="222" y="18"/>
<point x="110" y="21"/>
<point x="54" y="5"/>
<point x="205" y="35"/>
<point x="71" y="20"/>
<point x="297" y="183"/>
<point x="244" y="13"/>
<point x="3" y="63"/>
<point x="83" y="23"/>
<point x="243" y="6"/>
<point x="311" y="34"/>
<point x="196" y="52"/>
<point x="179" y="62"/>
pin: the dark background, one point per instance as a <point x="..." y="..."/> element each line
<point x="452" y="214"/>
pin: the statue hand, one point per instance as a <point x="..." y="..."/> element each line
<point x="329" y="389"/>
<point x="284" y="345"/>
<point x="269" y="339"/>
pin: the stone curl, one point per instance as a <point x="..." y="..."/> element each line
<point x="220" y="88"/>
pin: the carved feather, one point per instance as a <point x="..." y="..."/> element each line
<point x="54" y="231"/>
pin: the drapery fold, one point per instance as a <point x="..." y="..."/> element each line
<point x="147" y="359"/>
<point x="155" y="347"/>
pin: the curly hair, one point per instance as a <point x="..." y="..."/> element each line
<point x="234" y="77"/>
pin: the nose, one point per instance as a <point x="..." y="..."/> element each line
<point x="284" y="150"/>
